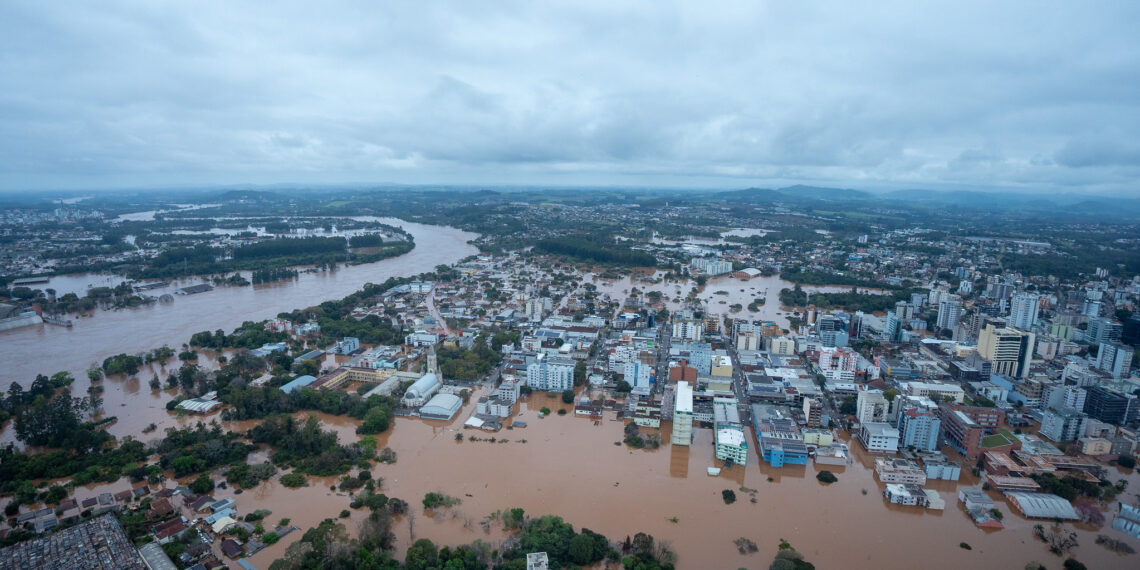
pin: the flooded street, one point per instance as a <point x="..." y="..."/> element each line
<point x="720" y="293"/>
<point x="567" y="466"/>
<point x="571" y="468"/>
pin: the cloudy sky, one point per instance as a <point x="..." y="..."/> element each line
<point x="981" y="95"/>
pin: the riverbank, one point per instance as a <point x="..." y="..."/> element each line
<point x="145" y="328"/>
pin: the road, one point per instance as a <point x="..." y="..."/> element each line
<point x="430" y="301"/>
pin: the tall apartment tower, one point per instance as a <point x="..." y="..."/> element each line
<point x="1023" y="311"/>
<point x="1009" y="350"/>
<point x="1115" y="358"/>
<point x="949" y="313"/>
<point x="683" y="415"/>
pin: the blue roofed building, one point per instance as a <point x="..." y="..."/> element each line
<point x="781" y="442"/>
<point x="298" y="383"/>
<point x="219" y="515"/>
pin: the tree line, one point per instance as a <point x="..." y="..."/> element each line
<point x="589" y="249"/>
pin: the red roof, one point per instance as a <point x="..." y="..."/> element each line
<point x="161" y="507"/>
<point x="169" y="528"/>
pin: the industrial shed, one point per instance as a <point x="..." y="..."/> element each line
<point x="1042" y="506"/>
<point x="441" y="407"/>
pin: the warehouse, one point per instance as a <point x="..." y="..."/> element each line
<point x="441" y="407"/>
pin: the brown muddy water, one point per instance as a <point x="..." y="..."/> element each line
<point x="720" y="293"/>
<point x="571" y="468"/>
<point x="46" y="349"/>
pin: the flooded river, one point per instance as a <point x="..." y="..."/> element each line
<point x="47" y="349"/>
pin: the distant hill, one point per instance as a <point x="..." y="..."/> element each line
<point x="1068" y="204"/>
<point x="828" y="194"/>
<point x="796" y="194"/>
<point x="248" y="196"/>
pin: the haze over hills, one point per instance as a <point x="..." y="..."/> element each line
<point x="1045" y="203"/>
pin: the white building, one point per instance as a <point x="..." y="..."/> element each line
<point x="1023" y="311"/>
<point x="347" y="345"/>
<point x="872" y="407"/>
<point x="421" y="390"/>
<point x="1114" y="358"/>
<point x="689" y="329"/>
<point x="537" y="308"/>
<point x="711" y="266"/>
<point x="949" y="313"/>
<point x="638" y="374"/>
<point x="780" y="345"/>
<point x="683" y="414"/>
<point x="731" y="445"/>
<point x="838" y="364"/>
<point x="550" y="374"/>
<point x="508" y="391"/>
<point x="934" y="389"/>
<point x="1064" y="424"/>
<point x="421" y="338"/>
<point x="879" y="437"/>
<point x="747" y="341"/>
<point x="493" y="406"/>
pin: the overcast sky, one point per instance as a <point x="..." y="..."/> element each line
<point x="980" y="95"/>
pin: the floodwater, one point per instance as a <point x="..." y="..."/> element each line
<point x="571" y="468"/>
<point x="47" y="349"/>
<point x="720" y="293"/>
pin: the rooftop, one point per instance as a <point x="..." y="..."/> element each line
<point x="97" y="544"/>
<point x="730" y="437"/>
<point x="1042" y="506"/>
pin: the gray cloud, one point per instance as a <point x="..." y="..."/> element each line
<point x="1016" y="95"/>
<point x="1089" y="153"/>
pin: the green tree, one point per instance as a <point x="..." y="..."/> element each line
<point x="376" y="420"/>
<point x="55" y="494"/>
<point x="202" y="485"/>
<point x="422" y="555"/>
<point x="581" y="550"/>
<point x="580" y="373"/>
<point x="293" y="480"/>
<point x="849" y="406"/>
<point x="568" y="396"/>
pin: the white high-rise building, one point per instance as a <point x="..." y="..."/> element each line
<point x="1009" y="350"/>
<point x="781" y="345"/>
<point x="638" y="374"/>
<point x="683" y="415"/>
<point x="949" y="313"/>
<point x="872" y="406"/>
<point x="537" y="308"/>
<point x="1023" y="311"/>
<point x="747" y="341"/>
<point x="689" y="329"/>
<point x="838" y="364"/>
<point x="904" y="311"/>
<point x="1114" y="358"/>
<point x="550" y="374"/>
